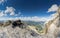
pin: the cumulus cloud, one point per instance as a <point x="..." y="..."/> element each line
<point x="2" y="1"/>
<point x="53" y="8"/>
<point x="1" y="13"/>
<point x="12" y="13"/>
<point x="10" y="10"/>
<point x="19" y="13"/>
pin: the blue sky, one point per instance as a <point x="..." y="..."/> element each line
<point x="32" y="7"/>
<point x="27" y="8"/>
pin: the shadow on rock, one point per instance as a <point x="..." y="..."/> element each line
<point x="18" y="23"/>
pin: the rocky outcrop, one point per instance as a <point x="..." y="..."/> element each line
<point x="20" y="30"/>
<point x="52" y="28"/>
<point x="9" y="32"/>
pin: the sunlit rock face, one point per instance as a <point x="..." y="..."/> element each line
<point x="53" y="26"/>
<point x="59" y="17"/>
<point x="57" y="30"/>
<point x="51" y="23"/>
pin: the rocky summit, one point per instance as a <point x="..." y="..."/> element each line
<point x="9" y="32"/>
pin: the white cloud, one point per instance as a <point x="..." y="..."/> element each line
<point x="34" y="18"/>
<point x="19" y="13"/>
<point x="53" y="8"/>
<point x="12" y="13"/>
<point x="10" y="10"/>
<point x="2" y="1"/>
<point x="1" y="13"/>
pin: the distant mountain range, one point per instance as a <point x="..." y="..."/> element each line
<point x="34" y="23"/>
